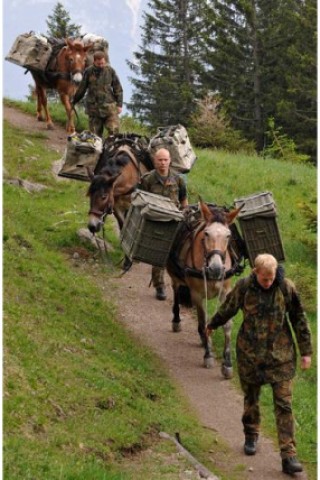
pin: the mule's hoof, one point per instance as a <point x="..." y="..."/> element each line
<point x="50" y="126"/>
<point x="227" y="372"/>
<point x="176" y="326"/>
<point x="208" y="362"/>
<point x="40" y="119"/>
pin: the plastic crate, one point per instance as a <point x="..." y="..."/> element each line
<point x="145" y="238"/>
<point x="259" y="227"/>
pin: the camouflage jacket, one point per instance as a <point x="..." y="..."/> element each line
<point x="173" y="187"/>
<point x="265" y="348"/>
<point x="103" y="87"/>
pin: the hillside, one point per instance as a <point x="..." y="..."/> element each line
<point x="54" y="216"/>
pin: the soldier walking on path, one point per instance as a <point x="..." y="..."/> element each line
<point x="163" y="182"/>
<point x="103" y="102"/>
<point x="266" y="351"/>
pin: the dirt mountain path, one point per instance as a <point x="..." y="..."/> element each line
<point x="216" y="401"/>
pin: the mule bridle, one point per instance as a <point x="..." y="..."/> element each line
<point x="97" y="213"/>
<point x="205" y="272"/>
<point x="209" y="253"/>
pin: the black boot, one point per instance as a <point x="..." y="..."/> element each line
<point x="127" y="264"/>
<point x="250" y="445"/>
<point x="160" y="293"/>
<point x="291" y="465"/>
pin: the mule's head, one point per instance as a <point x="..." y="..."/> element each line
<point x="75" y="58"/>
<point x="215" y="239"/>
<point x="101" y="197"/>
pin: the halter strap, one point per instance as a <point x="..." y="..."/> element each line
<point x="97" y="213"/>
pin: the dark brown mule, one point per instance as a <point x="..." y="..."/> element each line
<point x="110" y="190"/>
<point x="200" y="260"/>
<point x="64" y="73"/>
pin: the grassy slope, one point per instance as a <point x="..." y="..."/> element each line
<point x="221" y="177"/>
<point x="65" y="401"/>
<point x="80" y="395"/>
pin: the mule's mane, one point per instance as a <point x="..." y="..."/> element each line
<point x="219" y="215"/>
<point x="99" y="182"/>
<point x="77" y="45"/>
<point x="113" y="167"/>
<point x="115" y="164"/>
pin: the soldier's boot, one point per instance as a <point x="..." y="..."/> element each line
<point x="127" y="264"/>
<point x="250" y="444"/>
<point x="291" y="465"/>
<point x="160" y="293"/>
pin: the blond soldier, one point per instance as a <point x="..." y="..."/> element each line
<point x="266" y="351"/>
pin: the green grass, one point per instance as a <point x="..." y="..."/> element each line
<point x="79" y="394"/>
<point x="81" y="398"/>
<point x="58" y="114"/>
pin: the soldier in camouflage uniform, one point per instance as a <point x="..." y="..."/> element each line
<point x="103" y="102"/>
<point x="266" y="351"/>
<point x="162" y="182"/>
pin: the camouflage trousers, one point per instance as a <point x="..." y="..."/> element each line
<point x="282" y="401"/>
<point x="157" y="275"/>
<point x="111" y="122"/>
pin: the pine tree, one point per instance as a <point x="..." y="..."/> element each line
<point x="261" y="58"/>
<point x="167" y="63"/>
<point x="59" y="24"/>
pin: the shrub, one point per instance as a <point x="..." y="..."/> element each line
<point x="281" y="146"/>
<point x="210" y="127"/>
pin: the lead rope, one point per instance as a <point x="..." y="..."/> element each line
<point x="206" y="294"/>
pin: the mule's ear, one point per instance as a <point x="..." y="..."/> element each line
<point x="90" y="172"/>
<point x="206" y="213"/>
<point x="233" y="214"/>
<point x="69" y="42"/>
<point x="112" y="179"/>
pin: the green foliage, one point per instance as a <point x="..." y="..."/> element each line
<point x="59" y="23"/>
<point x="129" y="124"/>
<point x="210" y="128"/>
<point x="281" y="146"/>
<point x="166" y="64"/>
<point x="259" y="57"/>
<point x="311" y="218"/>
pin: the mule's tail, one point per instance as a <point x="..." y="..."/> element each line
<point x="184" y="296"/>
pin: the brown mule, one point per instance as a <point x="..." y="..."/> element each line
<point x="110" y="190"/>
<point x="64" y="73"/>
<point x="200" y="266"/>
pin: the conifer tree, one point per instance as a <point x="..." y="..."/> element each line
<point x="261" y="58"/>
<point x="59" y="23"/>
<point x="167" y="64"/>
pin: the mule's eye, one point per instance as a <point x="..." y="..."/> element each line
<point x="206" y="234"/>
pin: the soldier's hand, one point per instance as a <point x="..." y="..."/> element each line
<point x="208" y="331"/>
<point x="305" y="362"/>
